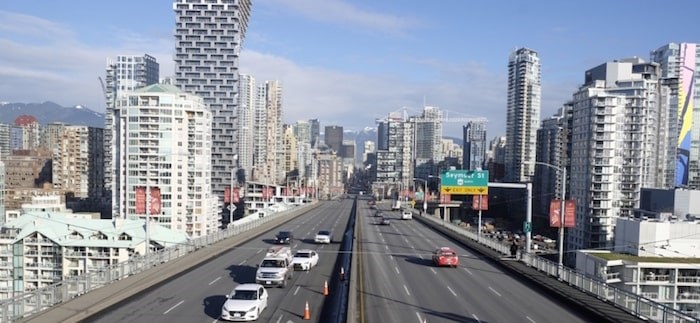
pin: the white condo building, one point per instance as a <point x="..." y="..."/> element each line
<point x="267" y="135"/>
<point x="165" y="143"/>
<point x="209" y="35"/>
<point x="246" y="124"/>
<point x="614" y="147"/>
<point x="522" y="115"/>
<point x="126" y="73"/>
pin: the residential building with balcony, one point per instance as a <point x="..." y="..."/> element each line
<point x="656" y="258"/>
<point x="41" y="248"/>
<point x="165" y="145"/>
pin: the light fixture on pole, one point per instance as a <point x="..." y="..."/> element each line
<point x="562" y="216"/>
<point x="425" y="194"/>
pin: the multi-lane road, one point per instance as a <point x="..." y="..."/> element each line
<point x="400" y="283"/>
<point x="198" y="295"/>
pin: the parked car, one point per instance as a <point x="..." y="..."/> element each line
<point x="245" y="303"/>
<point x="284" y="237"/>
<point x="445" y="256"/>
<point x="305" y="259"/>
<point x="323" y="236"/>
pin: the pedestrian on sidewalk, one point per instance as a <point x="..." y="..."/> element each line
<point x="514" y="249"/>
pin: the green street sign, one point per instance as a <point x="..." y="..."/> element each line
<point x="464" y="182"/>
<point x="527" y="227"/>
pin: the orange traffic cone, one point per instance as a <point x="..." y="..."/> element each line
<point x="325" y="288"/>
<point x="342" y="273"/>
<point x="307" y="313"/>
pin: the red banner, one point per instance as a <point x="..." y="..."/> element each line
<point x="555" y="214"/>
<point x="267" y="192"/>
<point x="227" y="195"/>
<point x="140" y="199"/>
<point x="155" y="200"/>
<point x="445" y="198"/>
<point x="480" y="202"/>
<point x="286" y="191"/>
<point x="236" y="195"/>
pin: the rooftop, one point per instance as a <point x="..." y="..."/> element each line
<point x="632" y="258"/>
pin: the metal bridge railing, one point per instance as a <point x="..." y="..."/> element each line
<point x="31" y="302"/>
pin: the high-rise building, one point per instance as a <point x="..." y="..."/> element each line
<point x="315" y="132"/>
<point x="679" y="159"/>
<point x="474" y="145"/>
<point x="5" y="140"/>
<point x="428" y="134"/>
<point x="166" y="155"/>
<point x="395" y="164"/>
<point x="333" y="138"/>
<point x="614" y="141"/>
<point x="246" y="126"/>
<point x="496" y="159"/>
<point x="30" y="132"/>
<point x="268" y="155"/>
<point x="51" y="135"/>
<point x="523" y="114"/>
<point x="290" y="161"/>
<point x="382" y="135"/>
<point x="368" y="148"/>
<point x="77" y="165"/>
<point x="127" y="73"/>
<point x="2" y="193"/>
<point x="209" y="34"/>
<point x="554" y="148"/>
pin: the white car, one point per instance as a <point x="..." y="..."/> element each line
<point x="305" y="259"/>
<point x="406" y="215"/>
<point x="245" y="303"/>
<point x="323" y="236"/>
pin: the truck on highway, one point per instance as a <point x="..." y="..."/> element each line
<point x="276" y="268"/>
<point x="396" y="205"/>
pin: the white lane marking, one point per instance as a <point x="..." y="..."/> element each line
<point x="433" y="270"/>
<point x="419" y="318"/>
<point x="216" y="321"/>
<point x="279" y="319"/>
<point x="242" y="262"/>
<point x="386" y="247"/>
<point x="406" y="289"/>
<point x="397" y="270"/>
<point x="259" y="251"/>
<point x="295" y="246"/>
<point x="529" y="319"/>
<point x="451" y="291"/>
<point x="214" y="281"/>
<point x="296" y="290"/>
<point x="476" y="318"/>
<point x="174" y="306"/>
<point x="494" y="291"/>
<point x="419" y="255"/>
<point x="468" y="271"/>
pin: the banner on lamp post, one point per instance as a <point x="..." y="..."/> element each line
<point x="480" y="202"/>
<point x="155" y="200"/>
<point x="236" y="195"/>
<point x="555" y="214"/>
<point x="227" y="195"/>
<point x="140" y="199"/>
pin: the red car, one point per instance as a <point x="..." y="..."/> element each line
<point x="445" y="256"/>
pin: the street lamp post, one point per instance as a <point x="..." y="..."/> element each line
<point x="562" y="217"/>
<point x="425" y="194"/>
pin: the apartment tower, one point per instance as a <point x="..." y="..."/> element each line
<point x="126" y="73"/>
<point x="208" y="35"/>
<point x="523" y="114"/>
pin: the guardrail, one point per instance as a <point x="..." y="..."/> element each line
<point x="32" y="302"/>
<point x="635" y="304"/>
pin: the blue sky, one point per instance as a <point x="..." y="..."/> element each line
<point x="347" y="62"/>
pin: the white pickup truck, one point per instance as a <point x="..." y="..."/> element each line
<point x="276" y="268"/>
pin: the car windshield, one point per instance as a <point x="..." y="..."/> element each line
<point x="323" y="233"/>
<point x="272" y="263"/>
<point x="303" y="255"/>
<point x="283" y="234"/>
<point x="244" y="295"/>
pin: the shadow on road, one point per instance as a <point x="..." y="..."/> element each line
<point x="212" y="305"/>
<point x="242" y="274"/>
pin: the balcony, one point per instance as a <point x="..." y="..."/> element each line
<point x="689" y="279"/>
<point x="654" y="278"/>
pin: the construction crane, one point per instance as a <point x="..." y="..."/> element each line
<point x="402" y="114"/>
